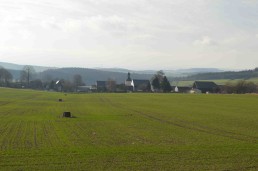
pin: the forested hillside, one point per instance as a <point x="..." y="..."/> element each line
<point x="89" y="76"/>
<point x="247" y="74"/>
<point x="11" y="66"/>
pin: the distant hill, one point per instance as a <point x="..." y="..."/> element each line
<point x="199" y="70"/>
<point x="15" y="73"/>
<point x="12" y="66"/>
<point x="90" y="76"/>
<point x="247" y="74"/>
<point x="114" y="69"/>
<point x="170" y="73"/>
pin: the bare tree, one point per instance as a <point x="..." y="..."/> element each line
<point x="27" y="74"/>
<point x="77" y="80"/>
<point x="67" y="86"/>
<point x="111" y="85"/>
<point x="241" y="87"/>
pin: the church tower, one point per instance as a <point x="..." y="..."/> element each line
<point x="128" y="81"/>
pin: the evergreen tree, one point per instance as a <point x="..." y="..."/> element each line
<point x="165" y="85"/>
<point x="155" y="83"/>
<point x="160" y="74"/>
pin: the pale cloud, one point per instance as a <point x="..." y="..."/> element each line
<point x="108" y="23"/>
<point x="250" y="2"/>
<point x="204" y="41"/>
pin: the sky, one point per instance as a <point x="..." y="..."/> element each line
<point x="132" y="34"/>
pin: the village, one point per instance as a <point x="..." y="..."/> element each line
<point x="141" y="85"/>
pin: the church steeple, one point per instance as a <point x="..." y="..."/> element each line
<point x="128" y="77"/>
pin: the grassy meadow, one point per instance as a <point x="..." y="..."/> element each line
<point x="127" y="131"/>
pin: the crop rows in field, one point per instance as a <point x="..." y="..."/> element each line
<point x="127" y="131"/>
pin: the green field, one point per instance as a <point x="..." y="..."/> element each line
<point x="127" y="131"/>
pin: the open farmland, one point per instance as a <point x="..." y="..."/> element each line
<point x="127" y="131"/>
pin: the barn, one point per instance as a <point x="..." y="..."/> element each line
<point x="141" y="85"/>
<point x="206" y="86"/>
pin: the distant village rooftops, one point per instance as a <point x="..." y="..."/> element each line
<point x="142" y="85"/>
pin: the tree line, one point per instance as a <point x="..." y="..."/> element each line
<point x="29" y="79"/>
<point x="159" y="82"/>
<point x="240" y="87"/>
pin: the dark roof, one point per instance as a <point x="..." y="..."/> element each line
<point x="101" y="83"/>
<point x="141" y="82"/>
<point x="183" y="88"/>
<point x="205" y="84"/>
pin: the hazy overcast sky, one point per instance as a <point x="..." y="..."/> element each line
<point x="133" y="34"/>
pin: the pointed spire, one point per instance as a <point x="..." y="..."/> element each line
<point x="129" y="77"/>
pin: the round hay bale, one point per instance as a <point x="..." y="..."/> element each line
<point x="60" y="100"/>
<point x="67" y="114"/>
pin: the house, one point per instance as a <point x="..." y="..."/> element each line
<point x="141" y="85"/>
<point x="206" y="86"/>
<point x="101" y="86"/>
<point x="181" y="89"/>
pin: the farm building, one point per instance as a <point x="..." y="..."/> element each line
<point x="181" y="89"/>
<point x="101" y="86"/>
<point x="141" y="85"/>
<point x="206" y="86"/>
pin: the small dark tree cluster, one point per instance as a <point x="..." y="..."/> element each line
<point x="160" y="82"/>
<point x="165" y="85"/>
<point x="156" y="83"/>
